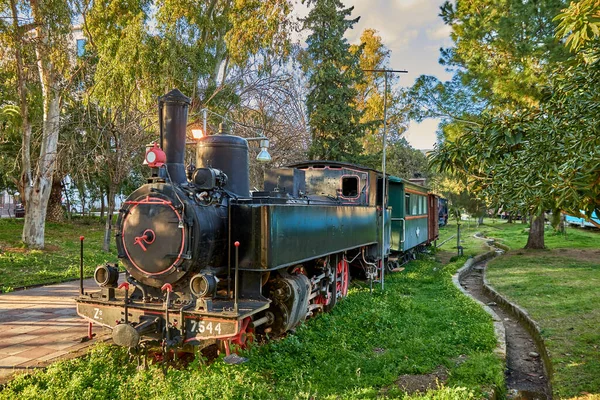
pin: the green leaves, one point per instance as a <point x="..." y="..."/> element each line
<point x="536" y="143"/>
<point x="333" y="116"/>
<point x="579" y="23"/>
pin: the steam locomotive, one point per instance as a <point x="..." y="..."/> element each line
<point x="209" y="262"/>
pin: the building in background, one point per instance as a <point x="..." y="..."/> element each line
<point x="10" y="205"/>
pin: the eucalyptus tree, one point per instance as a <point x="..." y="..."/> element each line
<point x="43" y="29"/>
<point x="333" y="72"/>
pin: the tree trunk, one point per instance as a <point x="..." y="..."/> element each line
<point x="102" y="205"/>
<point x="561" y="225"/>
<point x="38" y="193"/>
<point x="108" y="225"/>
<point x="523" y="218"/>
<point x="37" y="196"/>
<point x="536" y="233"/>
<point x="510" y="218"/>
<point x="81" y="195"/>
<point x="558" y="221"/>
<point x="480" y="220"/>
<point x="55" y="211"/>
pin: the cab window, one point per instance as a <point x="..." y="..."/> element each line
<point x="350" y="186"/>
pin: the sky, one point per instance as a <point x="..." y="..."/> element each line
<point x="414" y="33"/>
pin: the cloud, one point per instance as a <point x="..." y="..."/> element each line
<point x="414" y="33"/>
<point x="422" y="135"/>
<point x="441" y="33"/>
<point x="407" y="4"/>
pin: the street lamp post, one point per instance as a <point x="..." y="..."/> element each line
<point x="383" y="184"/>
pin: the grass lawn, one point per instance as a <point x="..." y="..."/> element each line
<point x="21" y="267"/>
<point x="421" y="323"/>
<point x="559" y="288"/>
<point x="471" y="245"/>
<point x="515" y="236"/>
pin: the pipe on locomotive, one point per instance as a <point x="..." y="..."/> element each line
<point x="173" y="115"/>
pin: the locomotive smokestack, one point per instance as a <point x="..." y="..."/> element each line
<point x="173" y="109"/>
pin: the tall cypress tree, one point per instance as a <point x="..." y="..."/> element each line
<point x="333" y="117"/>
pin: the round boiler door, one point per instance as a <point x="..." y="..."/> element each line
<point x="152" y="237"/>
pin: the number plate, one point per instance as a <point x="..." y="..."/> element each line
<point x="210" y="328"/>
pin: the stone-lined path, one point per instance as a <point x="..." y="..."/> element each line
<point x="40" y="325"/>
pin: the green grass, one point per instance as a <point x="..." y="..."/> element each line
<point x="421" y="322"/>
<point x="557" y="286"/>
<point x="559" y="289"/>
<point x="21" y="267"/>
<point x="515" y="236"/>
<point x="471" y="245"/>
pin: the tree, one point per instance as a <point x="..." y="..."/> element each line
<point x="9" y="147"/>
<point x="580" y="24"/>
<point x="272" y="104"/>
<point x="402" y="159"/>
<point x="405" y="161"/>
<point x="42" y="28"/>
<point x="333" y="71"/>
<point x="504" y="54"/>
<point x="503" y="49"/>
<point x="203" y="49"/>
<point x="374" y="55"/>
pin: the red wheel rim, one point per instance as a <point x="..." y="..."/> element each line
<point x="244" y="337"/>
<point x="343" y="277"/>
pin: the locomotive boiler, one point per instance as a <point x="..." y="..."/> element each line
<point x="209" y="262"/>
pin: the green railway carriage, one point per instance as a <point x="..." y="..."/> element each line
<point x="409" y="205"/>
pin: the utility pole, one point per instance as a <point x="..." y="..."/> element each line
<point x="384" y="180"/>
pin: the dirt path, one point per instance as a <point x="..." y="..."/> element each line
<point x="525" y="375"/>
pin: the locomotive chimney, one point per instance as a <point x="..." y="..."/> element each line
<point x="173" y="112"/>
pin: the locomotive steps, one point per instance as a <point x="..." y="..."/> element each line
<point x="520" y="344"/>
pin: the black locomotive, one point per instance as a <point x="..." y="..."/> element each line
<point x="208" y="261"/>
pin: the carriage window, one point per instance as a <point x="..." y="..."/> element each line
<point x="414" y="202"/>
<point x="407" y="204"/>
<point x="350" y="186"/>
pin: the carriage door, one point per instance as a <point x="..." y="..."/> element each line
<point x="432" y="217"/>
<point x="396" y="202"/>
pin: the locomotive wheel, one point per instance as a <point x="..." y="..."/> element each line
<point x="342" y="278"/>
<point x="331" y="290"/>
<point x="240" y="341"/>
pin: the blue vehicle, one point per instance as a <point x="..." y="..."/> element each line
<point x="582" y="222"/>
